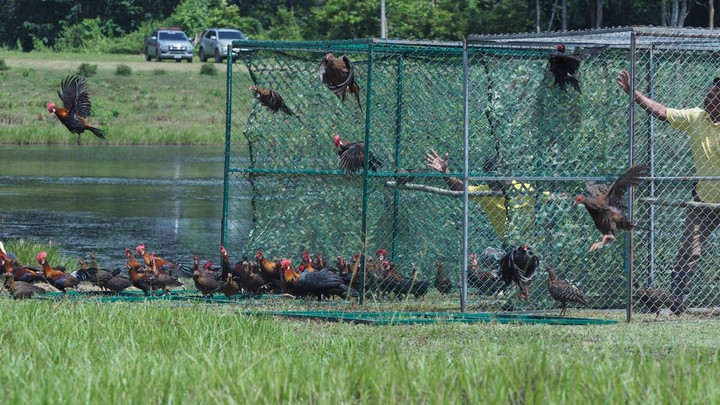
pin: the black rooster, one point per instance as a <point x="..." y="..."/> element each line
<point x="352" y="156"/>
<point x="519" y="266"/>
<point x="564" y="66"/>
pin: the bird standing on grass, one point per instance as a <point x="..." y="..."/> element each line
<point x="606" y="206"/>
<point x="519" y="267"/>
<point x="76" y="106"/>
<point x="564" y="66"/>
<point x="562" y="291"/>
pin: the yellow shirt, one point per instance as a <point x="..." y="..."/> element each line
<point x="704" y="142"/>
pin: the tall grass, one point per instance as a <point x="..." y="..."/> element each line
<point x="63" y="352"/>
<point x="177" y="107"/>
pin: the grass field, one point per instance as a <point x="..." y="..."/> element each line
<point x="60" y="352"/>
<point x="158" y="103"/>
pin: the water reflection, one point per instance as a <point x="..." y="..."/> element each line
<point x="106" y="198"/>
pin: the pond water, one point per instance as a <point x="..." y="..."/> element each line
<point x="106" y="198"/>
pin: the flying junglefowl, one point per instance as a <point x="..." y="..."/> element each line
<point x="338" y="75"/>
<point x="352" y="156"/>
<point x="271" y="99"/>
<point x="564" y="66"/>
<point x="562" y="291"/>
<point x="76" y="106"/>
<point x="606" y="206"/>
<point x="519" y="266"/>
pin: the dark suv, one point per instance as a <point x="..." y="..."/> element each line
<point x="214" y="43"/>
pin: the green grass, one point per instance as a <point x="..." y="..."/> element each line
<point x="63" y="352"/>
<point x="178" y="107"/>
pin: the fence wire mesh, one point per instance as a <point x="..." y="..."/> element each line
<point x="532" y="147"/>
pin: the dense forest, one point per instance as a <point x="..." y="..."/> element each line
<point x="119" y="26"/>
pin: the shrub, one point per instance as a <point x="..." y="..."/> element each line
<point x="3" y="66"/>
<point x="87" y="70"/>
<point x="123" y="70"/>
<point x="208" y="69"/>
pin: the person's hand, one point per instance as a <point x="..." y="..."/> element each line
<point x="623" y="80"/>
<point x="435" y="162"/>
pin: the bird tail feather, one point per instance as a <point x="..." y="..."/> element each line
<point x="96" y="131"/>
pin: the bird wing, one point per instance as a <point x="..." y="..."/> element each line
<point x="73" y="93"/>
<point x="595" y="189"/>
<point x="562" y="64"/>
<point x="627" y="179"/>
<point x="353" y="159"/>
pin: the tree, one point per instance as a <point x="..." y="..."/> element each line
<point x="679" y="10"/>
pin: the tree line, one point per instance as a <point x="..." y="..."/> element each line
<point x="119" y="26"/>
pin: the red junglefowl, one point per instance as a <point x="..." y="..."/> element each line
<point x="563" y="66"/>
<point x="230" y="287"/>
<point x="442" y="282"/>
<point x="320" y="261"/>
<point x="76" y="106"/>
<point x="59" y="279"/>
<point x="162" y="277"/>
<point x="562" y="291"/>
<point x="140" y="279"/>
<point x="321" y="283"/>
<point x="106" y="280"/>
<point x="352" y="156"/>
<point x="271" y="99"/>
<point x="655" y="299"/>
<point x="606" y="206"/>
<point x="162" y="264"/>
<point x="418" y="287"/>
<point x="484" y="281"/>
<point x="519" y="267"/>
<point x="204" y="282"/>
<point x="21" y="289"/>
<point x="252" y="279"/>
<point x="270" y="270"/>
<point x="338" y="75"/>
<point x="20" y="272"/>
<point x="289" y="279"/>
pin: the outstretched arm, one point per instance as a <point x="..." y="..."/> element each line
<point x="658" y="110"/>
<point x="435" y="162"/>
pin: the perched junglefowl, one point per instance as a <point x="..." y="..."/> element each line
<point x="655" y="299"/>
<point x="20" y="289"/>
<point x="20" y="272"/>
<point x="606" y="206"/>
<point x="519" y="267"/>
<point x="563" y="66"/>
<point x="163" y="278"/>
<point x="204" y="282"/>
<point x="76" y="106"/>
<point x="58" y="278"/>
<point x="271" y="99"/>
<point x="352" y="156"/>
<point x="338" y="75"/>
<point x="562" y="291"/>
<point x="442" y="282"/>
<point x="144" y="281"/>
<point x="162" y="264"/>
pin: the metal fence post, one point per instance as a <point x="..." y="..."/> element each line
<point x="466" y="165"/>
<point x="631" y="157"/>
<point x="228" y="132"/>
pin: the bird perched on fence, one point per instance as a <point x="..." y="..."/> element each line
<point x="564" y="66"/>
<point x="606" y="205"/>
<point x="562" y="291"/>
<point x="271" y="99"/>
<point x="519" y="266"/>
<point x="655" y="299"/>
<point x="338" y="75"/>
<point x="352" y="156"/>
<point x="76" y="106"/>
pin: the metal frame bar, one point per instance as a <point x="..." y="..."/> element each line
<point x="228" y="132"/>
<point x="466" y="169"/>
<point x="629" y="247"/>
<point x="398" y="144"/>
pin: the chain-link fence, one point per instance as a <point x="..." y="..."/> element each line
<point x="531" y="148"/>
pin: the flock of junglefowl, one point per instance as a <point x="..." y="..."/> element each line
<point x="313" y="277"/>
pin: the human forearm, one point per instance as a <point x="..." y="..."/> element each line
<point x="658" y="110"/>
